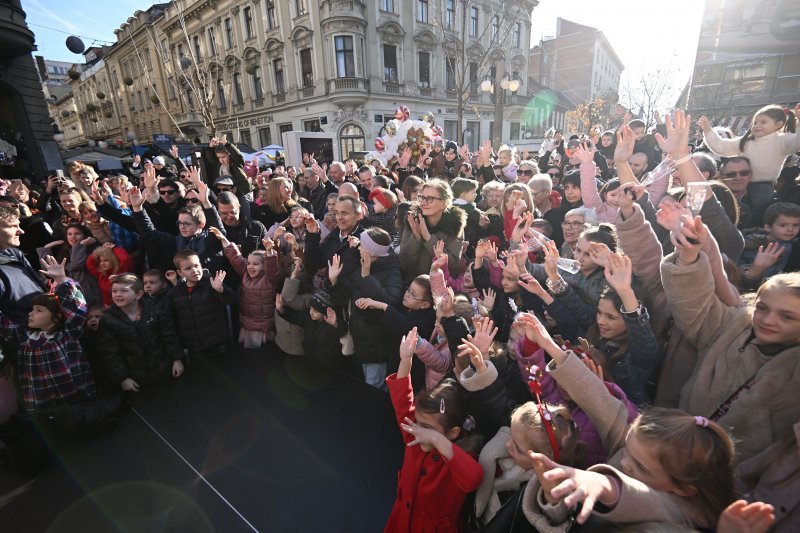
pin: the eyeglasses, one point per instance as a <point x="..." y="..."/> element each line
<point x="182" y="224"/>
<point x="167" y="192"/>
<point x="229" y="214"/>
<point x="427" y="199"/>
<point x="732" y="175"/>
<point x="413" y="296"/>
<point x="192" y="200"/>
<point x="573" y="225"/>
<point x="525" y="172"/>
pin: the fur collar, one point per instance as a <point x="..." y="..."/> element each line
<point x="453" y="221"/>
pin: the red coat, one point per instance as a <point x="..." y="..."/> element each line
<point x="125" y="265"/>
<point x="430" y="489"/>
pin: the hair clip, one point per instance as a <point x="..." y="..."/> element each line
<point x="441" y="406"/>
<point x="701" y="421"/>
<point x="513" y="305"/>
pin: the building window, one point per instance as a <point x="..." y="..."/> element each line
<point x="450" y="73"/>
<point x="514" y="131"/>
<point x="345" y="60"/>
<point x="390" y="63"/>
<point x="247" y="16"/>
<point x="277" y="70"/>
<point x="258" y="92"/>
<point x="473" y="22"/>
<point x="495" y="28"/>
<point x="164" y="50"/>
<point x="312" y="125"/>
<point x="387" y="5"/>
<point x="244" y="137"/>
<point x="351" y="139"/>
<point x="473" y="78"/>
<point x="422" y="10"/>
<point x="284" y="128"/>
<point x="271" y="20"/>
<point x="450" y="127"/>
<point x="450" y="15"/>
<point x="424" y="59"/>
<point x="472" y="135"/>
<point x="171" y="88"/>
<point x="212" y="42"/>
<point x="517" y="37"/>
<point x="306" y="68"/>
<point x="197" y="53"/>
<point x="264" y="137"/>
<point x="189" y="99"/>
<point x="238" y="98"/>
<point x="229" y="32"/>
<point x="300" y="7"/>
<point x="180" y="55"/>
<point x="221" y="103"/>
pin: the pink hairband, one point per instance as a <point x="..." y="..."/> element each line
<point x="701" y="421"/>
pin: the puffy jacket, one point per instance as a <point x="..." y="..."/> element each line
<point x="200" y="314"/>
<point x="103" y="279"/>
<point x="318" y="253"/>
<point x="416" y="256"/>
<point x="320" y="340"/>
<point x="373" y="341"/>
<point x="141" y="350"/>
<point x="256" y="295"/>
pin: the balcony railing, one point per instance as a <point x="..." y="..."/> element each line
<point x="348" y="84"/>
<point x="306" y="92"/>
<point x="425" y="91"/>
<point x="392" y="87"/>
<point x="279" y="98"/>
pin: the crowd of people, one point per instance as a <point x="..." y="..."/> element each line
<point x="606" y="331"/>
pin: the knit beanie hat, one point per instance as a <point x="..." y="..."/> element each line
<point x="321" y="301"/>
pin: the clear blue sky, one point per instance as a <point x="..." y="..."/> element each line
<point x="644" y="33"/>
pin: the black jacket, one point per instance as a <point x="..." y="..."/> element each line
<point x="372" y="339"/>
<point x="320" y="340"/>
<point x="141" y="350"/>
<point x="317" y="254"/>
<point x="164" y="217"/>
<point x="318" y="196"/>
<point x="200" y="315"/>
<point x="236" y="167"/>
<point x="248" y="234"/>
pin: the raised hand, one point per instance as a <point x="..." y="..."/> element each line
<point x="522" y="227"/>
<point x="677" y="142"/>
<point x="440" y="262"/>
<point x="218" y="234"/>
<point x="489" y="298"/>
<point x="438" y="249"/>
<point x="485" y="332"/>
<point x="88" y="241"/>
<point x="743" y="517"/>
<point x="408" y="345"/>
<point x="290" y="239"/>
<point x="625" y="143"/>
<point x="335" y="268"/>
<point x="279" y="303"/>
<point x="704" y="123"/>
<point x="194" y="175"/>
<point x="421" y="435"/>
<point x="596" y="369"/>
<point x="216" y="281"/>
<point x="353" y="241"/>
<point x="280" y="231"/>
<point x="171" y="276"/>
<point x="585" y="152"/>
<point x="366" y="264"/>
<point x="149" y="176"/>
<point x="53" y="269"/>
<point x="600" y="253"/>
<point x="423" y="228"/>
<point x="619" y="272"/>
<point x="530" y="284"/>
<point x="173" y="151"/>
<point x="297" y="267"/>
<point x="767" y="256"/>
<point x="413" y="224"/>
<point x="689" y="238"/>
<point x="136" y="198"/>
<point x="551" y="257"/>
<point x="405" y="158"/>
<point x="475" y="355"/>
<point x="491" y="252"/>
<point x="330" y="317"/>
<point x="312" y="226"/>
<point x="269" y="244"/>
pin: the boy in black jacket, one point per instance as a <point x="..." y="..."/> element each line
<point x="198" y="306"/>
<point x="321" y="329"/>
<point x="157" y="289"/>
<point x="139" y="343"/>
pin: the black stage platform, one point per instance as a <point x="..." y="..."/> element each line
<point x="253" y="441"/>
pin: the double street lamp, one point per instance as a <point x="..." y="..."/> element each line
<point x="506" y="84"/>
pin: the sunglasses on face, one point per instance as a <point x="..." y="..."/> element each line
<point x="167" y="192"/>
<point x="732" y="175"/>
<point x="193" y="200"/>
<point x="525" y="172"/>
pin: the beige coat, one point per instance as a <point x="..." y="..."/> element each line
<point x="288" y="336"/>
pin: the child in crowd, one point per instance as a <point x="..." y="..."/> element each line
<point x="295" y="295"/>
<point x="198" y="305"/>
<point x="106" y="262"/>
<point x="75" y="248"/>
<point x="322" y="329"/>
<point x="51" y="368"/>
<point x="768" y="251"/>
<point x="437" y="474"/>
<point x="259" y="275"/>
<point x="156" y="289"/>
<point x="507" y="159"/>
<point x="384" y="211"/>
<point x="465" y="192"/>
<point x="140" y="344"/>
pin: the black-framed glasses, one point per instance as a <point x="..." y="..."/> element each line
<point x="573" y="225"/>
<point x="525" y="172"/>
<point x="182" y="224"/>
<point x="427" y="199"/>
<point x="732" y="175"/>
<point x="167" y="192"/>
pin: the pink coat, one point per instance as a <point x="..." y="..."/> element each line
<point x="257" y="295"/>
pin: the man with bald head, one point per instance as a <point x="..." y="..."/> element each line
<point x="638" y="163"/>
<point x="336" y="172"/>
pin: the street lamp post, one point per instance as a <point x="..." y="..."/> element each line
<point x="506" y="84"/>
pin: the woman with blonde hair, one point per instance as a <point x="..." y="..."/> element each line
<point x="278" y="203"/>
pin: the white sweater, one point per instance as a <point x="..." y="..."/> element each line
<point x="766" y="154"/>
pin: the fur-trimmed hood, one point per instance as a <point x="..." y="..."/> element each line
<point x="453" y="222"/>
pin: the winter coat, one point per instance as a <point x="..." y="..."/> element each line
<point x="372" y="340"/>
<point x="235" y="167"/>
<point x="76" y="269"/>
<point x="264" y="213"/>
<point x="19" y="283"/>
<point x="142" y="350"/>
<point x="164" y="217"/>
<point x="430" y="489"/>
<point x="248" y="234"/>
<point x="727" y="359"/>
<point x="256" y="295"/>
<point x="200" y="314"/>
<point x="103" y="278"/>
<point x="289" y="336"/>
<point x="766" y="154"/>
<point x="318" y="197"/>
<point x="160" y="247"/>
<point x="319" y="251"/>
<point x="416" y="256"/>
<point x="320" y="341"/>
